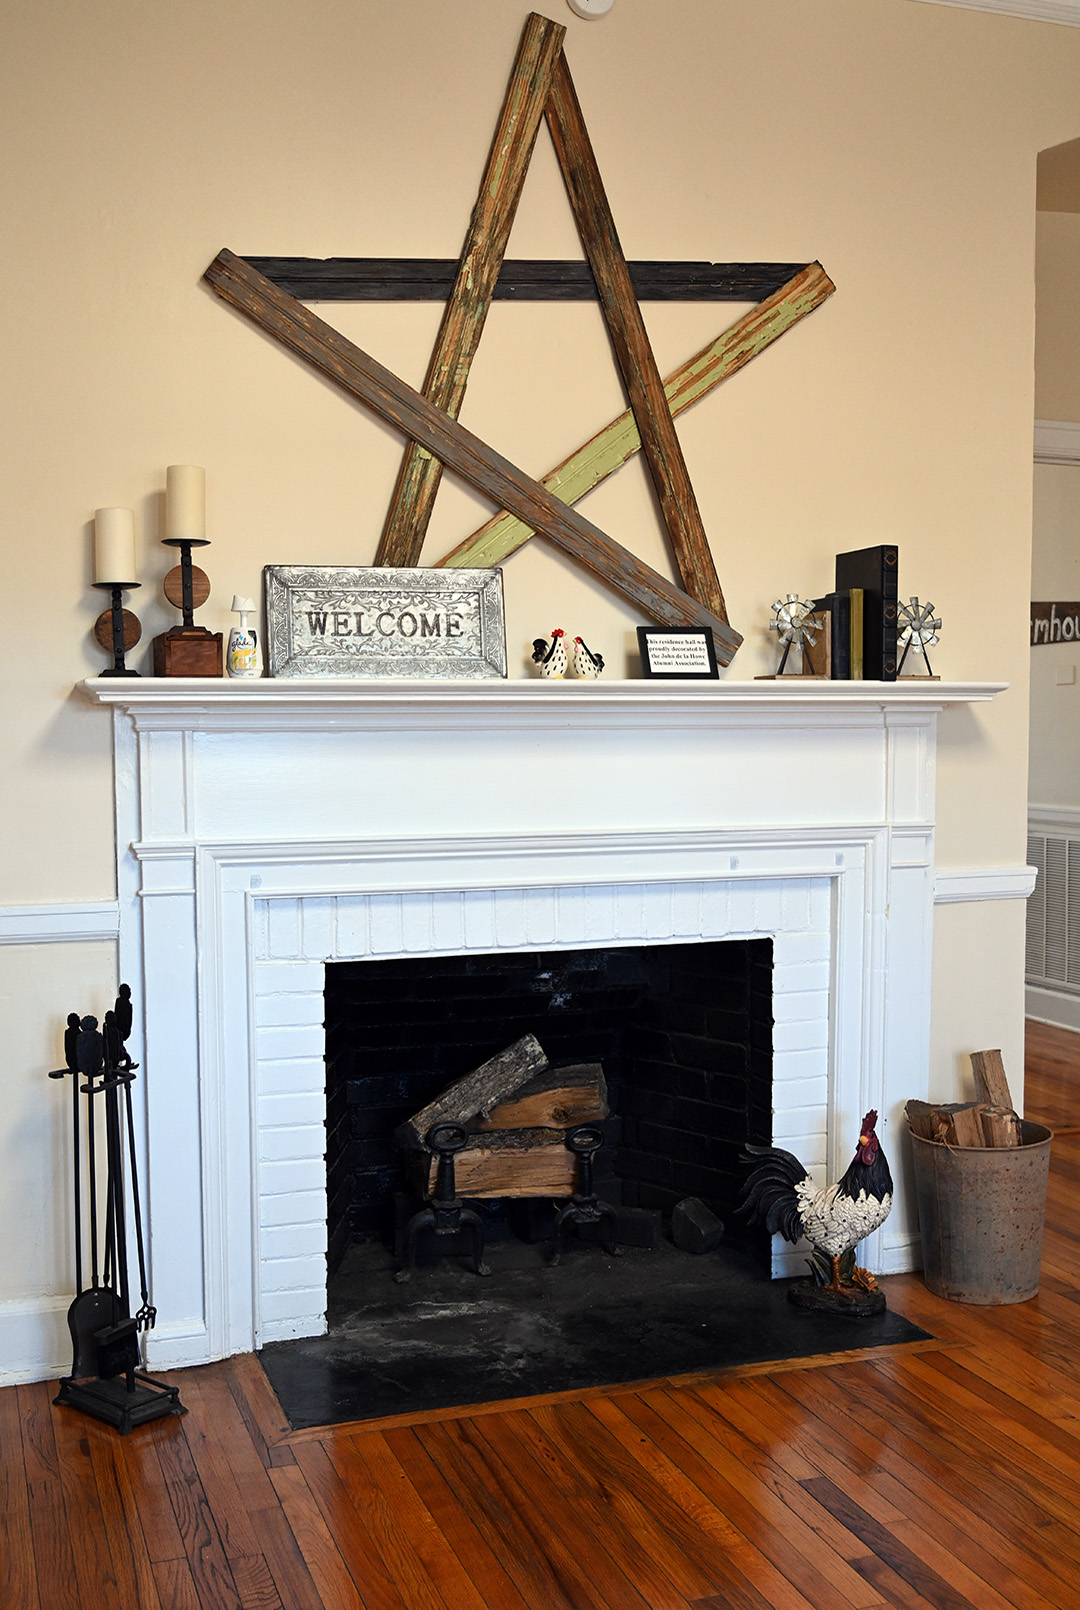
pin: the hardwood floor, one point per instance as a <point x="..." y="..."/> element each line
<point x="947" y="1475"/>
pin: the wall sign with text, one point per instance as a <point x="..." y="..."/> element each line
<point x="344" y="620"/>
<point x="676" y="651"/>
<point x="1055" y="623"/>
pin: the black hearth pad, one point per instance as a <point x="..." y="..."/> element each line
<point x="451" y="1338"/>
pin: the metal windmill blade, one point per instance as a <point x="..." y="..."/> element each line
<point x="792" y="622"/>
<point x="918" y="629"/>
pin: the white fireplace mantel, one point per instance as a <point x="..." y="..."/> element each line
<point x="267" y="828"/>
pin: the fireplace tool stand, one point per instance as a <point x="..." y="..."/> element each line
<point x="585" y="1207"/>
<point x="446" y="1214"/>
<point x="105" y="1380"/>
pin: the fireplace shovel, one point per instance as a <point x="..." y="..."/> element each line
<point x="105" y="1380"/>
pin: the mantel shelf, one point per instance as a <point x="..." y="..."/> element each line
<point x="178" y="701"/>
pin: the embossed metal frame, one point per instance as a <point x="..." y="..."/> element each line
<point x="356" y="601"/>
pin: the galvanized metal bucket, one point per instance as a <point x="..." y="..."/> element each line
<point x="981" y="1215"/>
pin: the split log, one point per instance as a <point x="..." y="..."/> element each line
<point x="966" y="1126"/>
<point x="1001" y="1126"/>
<point x="925" y="1117"/>
<point x="510" y="1162"/>
<point x="478" y="1092"/>
<point x="991" y="1085"/>
<point x="557" y="1098"/>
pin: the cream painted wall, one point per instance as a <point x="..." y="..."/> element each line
<point x="895" y="142"/>
<point x="1054" y="777"/>
<point x="1057" y="327"/>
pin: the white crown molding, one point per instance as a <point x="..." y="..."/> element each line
<point x="959" y="885"/>
<point x="1057" y="441"/>
<point x="59" y="924"/>
<point x="1066" y="12"/>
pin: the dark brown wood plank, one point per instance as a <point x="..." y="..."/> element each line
<point x="135" y="1582"/>
<point x="255" y="1585"/>
<point x="376" y="1586"/>
<point x="431" y="279"/>
<point x="18" y="1571"/>
<point x="629" y="339"/>
<point x="576" y="1545"/>
<point x="198" y="1527"/>
<point x="1052" y="1076"/>
<point x="470" y="299"/>
<point x="176" y="1590"/>
<point x="346" y="366"/>
<point x="57" y="1580"/>
<point x="451" y="1512"/>
<point x="285" y="1562"/>
<point x="89" y="1537"/>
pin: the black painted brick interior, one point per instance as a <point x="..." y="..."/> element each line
<point x="684" y="1033"/>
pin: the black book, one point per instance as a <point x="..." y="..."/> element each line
<point x="875" y="571"/>
<point x="838" y="607"/>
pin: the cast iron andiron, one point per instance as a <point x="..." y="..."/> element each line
<point x="446" y="1214"/>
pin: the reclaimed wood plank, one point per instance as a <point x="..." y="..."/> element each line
<point x="618" y="441"/>
<point x="431" y="279"/>
<point x="361" y="377"/>
<point x="633" y="350"/>
<point x="467" y="308"/>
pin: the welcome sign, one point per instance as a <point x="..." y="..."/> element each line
<point x="346" y="621"/>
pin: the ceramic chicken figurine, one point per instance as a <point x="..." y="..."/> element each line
<point x="551" y="657"/>
<point x="781" y="1195"/>
<point x="586" y="663"/>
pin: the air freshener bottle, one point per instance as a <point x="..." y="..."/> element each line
<point x="244" y="658"/>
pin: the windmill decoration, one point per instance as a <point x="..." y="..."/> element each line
<point x="793" y="619"/>
<point x="268" y="291"/>
<point x="918" y="630"/>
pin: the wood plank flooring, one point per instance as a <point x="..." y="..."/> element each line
<point x="947" y="1475"/>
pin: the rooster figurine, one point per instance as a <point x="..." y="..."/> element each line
<point x="551" y="657"/>
<point x="781" y="1195"/>
<point x="586" y="663"/>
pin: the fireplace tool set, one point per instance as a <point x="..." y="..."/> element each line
<point x="105" y="1379"/>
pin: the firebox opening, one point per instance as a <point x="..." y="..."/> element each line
<point x="684" y="1033"/>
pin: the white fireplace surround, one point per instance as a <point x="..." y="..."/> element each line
<point x="268" y="828"/>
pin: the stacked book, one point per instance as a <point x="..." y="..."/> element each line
<point x="859" y="617"/>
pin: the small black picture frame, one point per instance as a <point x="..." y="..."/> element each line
<point x="686" y="652"/>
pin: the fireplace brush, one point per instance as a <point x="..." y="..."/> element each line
<point x="105" y="1379"/>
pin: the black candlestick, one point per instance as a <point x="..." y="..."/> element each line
<point x="118" y="668"/>
<point x="185" y="544"/>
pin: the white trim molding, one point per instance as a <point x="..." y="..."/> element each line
<point x="59" y="924"/>
<point x="1064" y="819"/>
<point x="1057" y="441"/>
<point x="956" y="885"/>
<point x="1066" y="12"/>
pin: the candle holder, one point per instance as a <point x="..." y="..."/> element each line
<point x="117" y="628"/>
<point x="187" y="649"/>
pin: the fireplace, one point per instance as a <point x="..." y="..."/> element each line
<point x="683" y="1033"/>
<point x="270" y="830"/>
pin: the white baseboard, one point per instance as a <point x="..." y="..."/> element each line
<point x="35" y="1343"/>
<point x="1047" y="1006"/>
<point x="59" y="924"/>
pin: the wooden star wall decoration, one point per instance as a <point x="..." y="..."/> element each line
<point x="540" y="87"/>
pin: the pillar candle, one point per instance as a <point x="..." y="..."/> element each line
<point x="185" y="502"/>
<point x="114" y="547"/>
